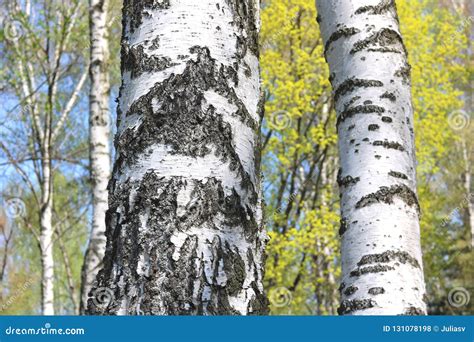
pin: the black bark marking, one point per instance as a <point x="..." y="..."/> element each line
<point x="350" y="290"/>
<point x="180" y="121"/>
<point x="376" y="290"/>
<point x="343" y="226"/>
<point x="389" y="256"/>
<point x="348" y="180"/>
<point x="404" y="73"/>
<point x="361" y="109"/>
<point x="373" y="127"/>
<point x="387" y="194"/>
<point x="389" y="144"/>
<point x="352" y="84"/>
<point x="382" y="7"/>
<point x="387" y="119"/>
<point x="138" y="62"/>
<point x="385" y="40"/>
<point x="176" y="278"/>
<point x="397" y="174"/>
<point x="351" y="102"/>
<point x="342" y="32"/>
<point x="136" y="10"/>
<point x="348" y="306"/>
<point x="388" y="95"/>
<point x="245" y="17"/>
<point x="370" y="269"/>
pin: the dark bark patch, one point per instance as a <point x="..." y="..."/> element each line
<point x="342" y="32"/>
<point x="376" y="290"/>
<point x="387" y="119"/>
<point x="388" y="95"/>
<point x="385" y="40"/>
<point x="138" y="62"/>
<point x="382" y="7"/>
<point x="361" y="109"/>
<point x="352" y="84"/>
<point x="389" y="256"/>
<point x="373" y="127"/>
<point x="245" y="18"/>
<point x="387" y="194"/>
<point x="351" y="102"/>
<point x="370" y="269"/>
<point x="397" y="174"/>
<point x="404" y="73"/>
<point x="136" y="10"/>
<point x="170" y="283"/>
<point x="343" y="226"/>
<point x="348" y="306"/>
<point x="348" y="180"/>
<point x="180" y="121"/>
<point x="350" y="290"/>
<point x="389" y="144"/>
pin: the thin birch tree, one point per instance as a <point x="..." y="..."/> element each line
<point x="99" y="132"/>
<point x="38" y="38"/>
<point x="382" y="270"/>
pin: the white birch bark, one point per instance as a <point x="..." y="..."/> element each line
<point x="99" y="125"/>
<point x="46" y="238"/>
<point x="184" y="228"/>
<point x="381" y="256"/>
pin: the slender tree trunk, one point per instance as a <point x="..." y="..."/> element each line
<point x="184" y="227"/>
<point x="381" y="255"/>
<point x="99" y="124"/>
<point x="467" y="188"/>
<point x="46" y="238"/>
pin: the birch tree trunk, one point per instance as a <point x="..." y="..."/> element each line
<point x="46" y="237"/>
<point x="381" y="256"/>
<point x="99" y="125"/>
<point x="184" y="225"/>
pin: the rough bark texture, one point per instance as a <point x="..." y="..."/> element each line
<point x="381" y="255"/>
<point x="184" y="227"/>
<point x="99" y="125"/>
